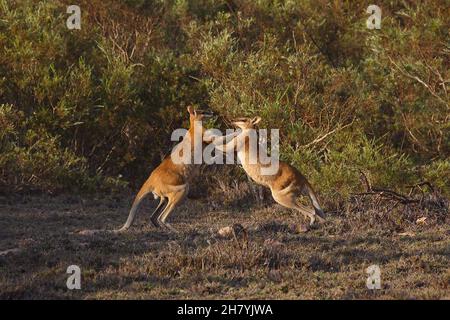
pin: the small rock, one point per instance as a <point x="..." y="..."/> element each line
<point x="236" y="231"/>
<point x="421" y="220"/>
<point x="225" y="232"/>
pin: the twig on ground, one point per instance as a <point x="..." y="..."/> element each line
<point x="382" y="192"/>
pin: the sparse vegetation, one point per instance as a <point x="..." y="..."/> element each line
<point x="277" y="262"/>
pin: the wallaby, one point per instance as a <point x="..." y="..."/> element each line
<point x="286" y="184"/>
<point x="170" y="180"/>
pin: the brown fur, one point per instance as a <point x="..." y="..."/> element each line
<point x="286" y="185"/>
<point x="169" y="181"/>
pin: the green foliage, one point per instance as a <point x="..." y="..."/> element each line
<point x="36" y="160"/>
<point x="94" y="108"/>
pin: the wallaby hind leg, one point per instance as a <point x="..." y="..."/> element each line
<point x="308" y="212"/>
<point x="309" y="191"/>
<point x="289" y="201"/>
<point x="173" y="200"/>
<point x="154" y="216"/>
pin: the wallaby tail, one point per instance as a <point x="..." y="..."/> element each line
<point x="312" y="196"/>
<point x="145" y="190"/>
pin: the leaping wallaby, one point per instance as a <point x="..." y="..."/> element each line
<point x="170" y="180"/>
<point x="286" y="184"/>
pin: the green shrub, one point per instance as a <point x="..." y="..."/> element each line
<point x="81" y="108"/>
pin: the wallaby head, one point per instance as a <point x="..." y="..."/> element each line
<point x="198" y="115"/>
<point x="246" y="123"/>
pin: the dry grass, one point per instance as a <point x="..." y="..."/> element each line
<point x="328" y="262"/>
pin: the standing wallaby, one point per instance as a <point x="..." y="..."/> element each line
<point x="170" y="180"/>
<point x="286" y="184"/>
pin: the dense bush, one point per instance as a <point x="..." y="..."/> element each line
<point x="93" y="109"/>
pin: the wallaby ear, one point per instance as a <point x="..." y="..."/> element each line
<point x="191" y="110"/>
<point x="256" y="120"/>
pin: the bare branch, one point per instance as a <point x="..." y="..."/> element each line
<point x="407" y="74"/>
<point x="319" y="139"/>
